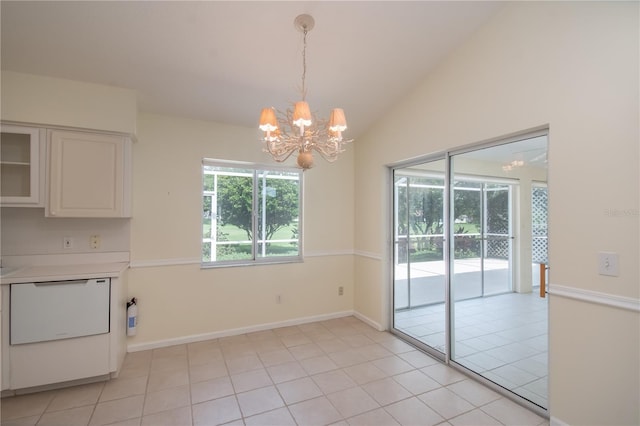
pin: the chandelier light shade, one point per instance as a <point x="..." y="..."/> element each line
<point x="268" y="120"/>
<point x="301" y="114"/>
<point x="299" y="130"/>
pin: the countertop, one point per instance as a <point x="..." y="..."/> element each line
<point x="29" y="274"/>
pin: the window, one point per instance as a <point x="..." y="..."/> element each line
<point x="250" y="213"/>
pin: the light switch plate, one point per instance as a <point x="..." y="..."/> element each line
<point x="608" y="264"/>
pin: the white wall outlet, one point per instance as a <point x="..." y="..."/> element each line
<point x="67" y="242"/>
<point x="94" y="241"/>
<point x="340" y="291"/>
<point x="278" y="298"/>
<point x="608" y="264"/>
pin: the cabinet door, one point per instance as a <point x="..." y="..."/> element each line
<point x="87" y="175"/>
<point x="43" y="363"/>
<point x="21" y="151"/>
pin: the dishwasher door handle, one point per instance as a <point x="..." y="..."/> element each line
<point x="74" y="282"/>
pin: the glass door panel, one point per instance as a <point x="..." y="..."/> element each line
<point x="496" y="332"/>
<point x="461" y="278"/>
<point x="419" y="266"/>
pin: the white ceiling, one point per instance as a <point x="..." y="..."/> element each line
<point x="225" y="60"/>
<point x="532" y="151"/>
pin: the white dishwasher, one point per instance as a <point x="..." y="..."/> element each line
<point x="54" y="310"/>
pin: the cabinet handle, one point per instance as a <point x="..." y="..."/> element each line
<point x="53" y="213"/>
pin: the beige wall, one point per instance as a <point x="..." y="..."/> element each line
<point x="594" y="369"/>
<point x="53" y="101"/>
<point x="25" y="231"/>
<point x="178" y="299"/>
<point x="574" y="67"/>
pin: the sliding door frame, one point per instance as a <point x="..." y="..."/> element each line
<point x="447" y="155"/>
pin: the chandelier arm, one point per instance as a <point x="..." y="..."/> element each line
<point x="328" y="153"/>
<point x="281" y="153"/>
<point x="328" y="158"/>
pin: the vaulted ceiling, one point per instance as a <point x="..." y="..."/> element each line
<point x="225" y="60"/>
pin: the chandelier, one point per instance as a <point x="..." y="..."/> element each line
<point x="512" y="165"/>
<point x="299" y="130"/>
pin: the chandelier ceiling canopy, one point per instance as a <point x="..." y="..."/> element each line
<point x="298" y="129"/>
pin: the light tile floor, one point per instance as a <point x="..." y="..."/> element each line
<point x="340" y="372"/>
<point x="504" y="338"/>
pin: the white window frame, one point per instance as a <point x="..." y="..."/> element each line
<point x="255" y="258"/>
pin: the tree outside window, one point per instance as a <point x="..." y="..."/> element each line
<point x="250" y="214"/>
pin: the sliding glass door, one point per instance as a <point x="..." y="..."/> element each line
<point x="462" y="256"/>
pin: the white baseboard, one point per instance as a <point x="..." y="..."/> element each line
<point x="135" y="347"/>
<point x="554" y="421"/>
<point x="368" y="321"/>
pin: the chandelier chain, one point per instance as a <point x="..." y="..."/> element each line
<point x="304" y="64"/>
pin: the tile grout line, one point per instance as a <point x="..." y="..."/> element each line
<point x="395" y="352"/>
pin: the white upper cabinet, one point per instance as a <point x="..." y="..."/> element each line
<point x="21" y="166"/>
<point x="89" y="175"/>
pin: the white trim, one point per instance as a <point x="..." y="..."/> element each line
<point x="65" y="259"/>
<point x="70" y="128"/>
<point x="151" y="263"/>
<point x="230" y="164"/>
<point x="613" y="300"/>
<point x="164" y="262"/>
<point x="370" y="255"/>
<point x="135" y="347"/>
<point x="368" y="321"/>
<point x="330" y="253"/>
<point x="554" y="421"/>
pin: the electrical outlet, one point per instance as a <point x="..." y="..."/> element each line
<point x="340" y="291"/>
<point x="608" y="264"/>
<point x="94" y="241"/>
<point x="278" y="298"/>
<point x="67" y="242"/>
